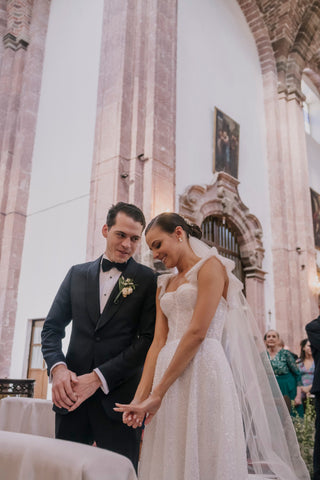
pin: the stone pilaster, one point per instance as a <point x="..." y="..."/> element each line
<point x="292" y="236"/>
<point x="134" y="158"/>
<point x="20" y="79"/>
<point x="287" y="41"/>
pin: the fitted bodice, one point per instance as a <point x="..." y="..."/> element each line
<point x="178" y="306"/>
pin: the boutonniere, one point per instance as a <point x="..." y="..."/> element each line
<point x="126" y="287"/>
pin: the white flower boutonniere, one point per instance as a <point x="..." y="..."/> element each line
<point x="126" y="287"/>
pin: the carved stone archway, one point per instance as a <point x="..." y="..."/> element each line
<point x="221" y="198"/>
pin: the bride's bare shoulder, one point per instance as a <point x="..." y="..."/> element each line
<point x="213" y="268"/>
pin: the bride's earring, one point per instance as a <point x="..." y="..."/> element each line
<point x="180" y="239"/>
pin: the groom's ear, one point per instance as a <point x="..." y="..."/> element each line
<point x="105" y="230"/>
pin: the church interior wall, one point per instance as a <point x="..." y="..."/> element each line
<point x="313" y="139"/>
<point x="312" y="100"/>
<point x="313" y="152"/>
<point x="218" y="66"/>
<point x="56" y="227"/>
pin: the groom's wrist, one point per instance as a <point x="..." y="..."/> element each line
<point x="96" y="379"/>
<point x="103" y="384"/>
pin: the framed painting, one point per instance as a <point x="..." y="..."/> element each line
<point x="315" y="205"/>
<point x="225" y="144"/>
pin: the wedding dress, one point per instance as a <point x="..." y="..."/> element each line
<point x="224" y="418"/>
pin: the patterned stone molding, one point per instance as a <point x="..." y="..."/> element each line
<point x="287" y="37"/>
<point x="222" y="199"/>
<point x="18" y="24"/>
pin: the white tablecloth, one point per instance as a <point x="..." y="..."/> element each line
<point x="27" y="415"/>
<point x="31" y="457"/>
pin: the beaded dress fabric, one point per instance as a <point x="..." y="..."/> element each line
<point x="197" y="434"/>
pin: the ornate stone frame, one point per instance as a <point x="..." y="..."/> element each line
<point x="221" y="198"/>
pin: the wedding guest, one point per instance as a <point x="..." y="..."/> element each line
<point x="283" y="345"/>
<point x="285" y="369"/>
<point x="111" y="304"/>
<point x="306" y="366"/>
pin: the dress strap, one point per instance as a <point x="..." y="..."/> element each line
<point x="192" y="274"/>
<point x="162" y="282"/>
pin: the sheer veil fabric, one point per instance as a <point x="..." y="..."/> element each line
<point x="272" y="447"/>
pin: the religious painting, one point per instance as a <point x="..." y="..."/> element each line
<point x="315" y="204"/>
<point x="225" y="144"/>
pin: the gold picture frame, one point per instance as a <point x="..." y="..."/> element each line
<point x="225" y="144"/>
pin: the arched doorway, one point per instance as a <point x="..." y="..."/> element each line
<point x="220" y="200"/>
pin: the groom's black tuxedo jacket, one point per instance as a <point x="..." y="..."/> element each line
<point x="115" y="341"/>
<point x="313" y="332"/>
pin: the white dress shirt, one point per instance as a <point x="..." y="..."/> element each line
<point x="107" y="281"/>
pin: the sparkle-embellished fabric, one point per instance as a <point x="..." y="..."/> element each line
<point x="198" y="433"/>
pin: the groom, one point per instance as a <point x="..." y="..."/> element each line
<point x="111" y="303"/>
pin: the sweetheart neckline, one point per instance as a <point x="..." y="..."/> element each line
<point x="174" y="291"/>
<point x="188" y="283"/>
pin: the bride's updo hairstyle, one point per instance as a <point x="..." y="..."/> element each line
<point x="169" y="221"/>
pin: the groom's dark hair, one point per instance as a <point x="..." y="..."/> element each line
<point x="129" y="209"/>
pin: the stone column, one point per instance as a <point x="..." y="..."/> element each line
<point x="134" y="158"/>
<point x="254" y="278"/>
<point x="20" y="79"/>
<point x="293" y="243"/>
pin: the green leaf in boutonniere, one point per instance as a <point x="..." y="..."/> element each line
<point x="126" y="287"/>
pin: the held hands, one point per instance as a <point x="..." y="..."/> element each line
<point x="69" y="391"/>
<point x="86" y="386"/>
<point x="134" y="413"/>
<point x="63" y="381"/>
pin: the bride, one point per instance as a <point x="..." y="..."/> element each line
<point x="211" y="404"/>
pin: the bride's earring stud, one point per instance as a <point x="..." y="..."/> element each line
<point x="180" y="239"/>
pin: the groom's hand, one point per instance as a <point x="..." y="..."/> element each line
<point x="63" y="381"/>
<point x="85" y="387"/>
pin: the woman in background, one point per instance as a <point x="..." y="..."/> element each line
<point x="305" y="364"/>
<point x="285" y="369"/>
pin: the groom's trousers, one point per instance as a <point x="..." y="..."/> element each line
<point x="89" y="423"/>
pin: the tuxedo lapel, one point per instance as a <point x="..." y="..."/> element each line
<point x="111" y="307"/>
<point x="93" y="291"/>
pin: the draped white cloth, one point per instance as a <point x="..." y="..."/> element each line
<point x="31" y="457"/>
<point x="27" y="415"/>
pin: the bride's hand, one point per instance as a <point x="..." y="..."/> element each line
<point x="134" y="413"/>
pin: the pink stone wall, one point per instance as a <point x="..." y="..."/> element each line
<point x="20" y="81"/>
<point x="278" y="42"/>
<point x="134" y="159"/>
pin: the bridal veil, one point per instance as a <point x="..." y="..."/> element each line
<point x="272" y="447"/>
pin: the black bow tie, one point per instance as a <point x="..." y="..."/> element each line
<point x="107" y="265"/>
